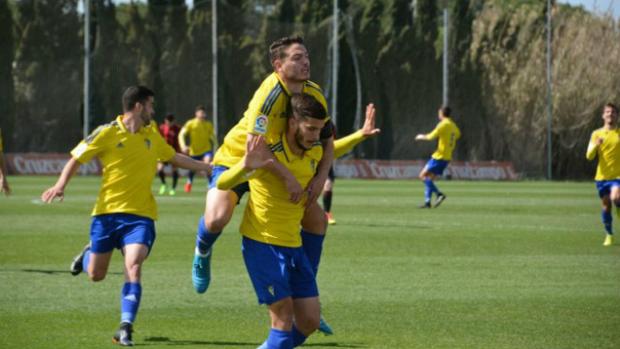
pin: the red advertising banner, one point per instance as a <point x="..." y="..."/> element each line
<point x="409" y="169"/>
<point x="45" y="164"/>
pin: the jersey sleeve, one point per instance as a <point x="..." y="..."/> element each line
<point x="90" y="147"/>
<point x="346" y="144"/>
<point x="165" y="151"/>
<point x="258" y="109"/>
<point x="436" y="132"/>
<point x="592" y="147"/>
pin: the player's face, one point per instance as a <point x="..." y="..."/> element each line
<point x="200" y="114"/>
<point x="296" y="65"/>
<point x="147" y="110"/>
<point x="307" y="132"/>
<point x="610" y="116"/>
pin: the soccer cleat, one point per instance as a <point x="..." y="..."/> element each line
<point x="172" y="192"/>
<point x="77" y="265"/>
<point x="325" y="328"/>
<point x="263" y="346"/>
<point x="439" y="200"/>
<point x="425" y="205"/>
<point x="330" y="218"/>
<point x="188" y="187"/>
<point x="123" y="335"/>
<point x="162" y="189"/>
<point x="201" y="272"/>
<point x="609" y="240"/>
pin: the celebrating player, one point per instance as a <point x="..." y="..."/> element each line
<point x="125" y="210"/>
<point x="202" y="141"/>
<point x="282" y="275"/>
<point x="448" y="133"/>
<point x="605" y="144"/>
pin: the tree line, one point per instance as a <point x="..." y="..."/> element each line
<point x="391" y="48"/>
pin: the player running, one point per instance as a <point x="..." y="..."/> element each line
<point x="202" y="141"/>
<point x="170" y="131"/>
<point x="605" y="144"/>
<point x="448" y="133"/>
<point x="125" y="210"/>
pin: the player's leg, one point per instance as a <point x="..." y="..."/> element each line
<point x="327" y="196"/>
<point x="190" y="175"/>
<point x="307" y="318"/>
<point x="207" y="158"/>
<point x="137" y="238"/>
<point x="610" y="198"/>
<point x="313" y="228"/>
<point x="220" y="205"/>
<point x="427" y="178"/>
<point x="162" y="177"/>
<point x="269" y="269"/>
<point x="305" y="294"/>
<point x="77" y="264"/>
<point x="175" y="180"/>
<point x="98" y="253"/>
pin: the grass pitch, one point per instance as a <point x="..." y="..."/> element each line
<point x="498" y="265"/>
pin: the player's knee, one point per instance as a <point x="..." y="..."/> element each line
<point x="133" y="271"/>
<point x="308" y="323"/>
<point x="96" y="276"/>
<point x="216" y="223"/>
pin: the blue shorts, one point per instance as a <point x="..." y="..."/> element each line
<point x="278" y="272"/>
<point x="110" y="231"/>
<point x="604" y="187"/>
<point x="202" y="156"/>
<point x="436" y="166"/>
<point x="239" y="189"/>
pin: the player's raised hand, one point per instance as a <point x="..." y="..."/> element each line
<point x="257" y="154"/>
<point x="369" y="129"/>
<point x="50" y="194"/>
<point x="420" y="137"/>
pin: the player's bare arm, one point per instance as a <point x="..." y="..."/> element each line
<point x="184" y="161"/>
<point x="58" y="190"/>
<point x="315" y="187"/>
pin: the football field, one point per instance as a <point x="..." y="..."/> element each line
<point x="498" y="265"/>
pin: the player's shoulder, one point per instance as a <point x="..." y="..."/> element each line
<point x="316" y="152"/>
<point x="104" y="131"/>
<point x="311" y="85"/>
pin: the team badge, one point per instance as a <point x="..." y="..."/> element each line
<point x="260" y="126"/>
<point x="271" y="291"/>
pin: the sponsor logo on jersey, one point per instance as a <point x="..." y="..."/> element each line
<point x="260" y="126"/>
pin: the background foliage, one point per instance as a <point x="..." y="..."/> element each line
<point x="497" y="79"/>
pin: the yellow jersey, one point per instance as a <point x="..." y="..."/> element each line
<point x="608" y="153"/>
<point x="447" y="132"/>
<point x="201" y="136"/>
<point x="129" y="163"/>
<point x="266" y="115"/>
<point x="270" y="216"/>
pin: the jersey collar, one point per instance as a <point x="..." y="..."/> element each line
<point x="284" y="87"/>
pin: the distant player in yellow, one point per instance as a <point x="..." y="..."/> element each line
<point x="125" y="210"/>
<point x="447" y="134"/>
<point x="4" y="183"/>
<point x="279" y="269"/>
<point x="201" y="143"/>
<point x="605" y="144"/>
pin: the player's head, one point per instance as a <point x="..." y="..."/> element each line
<point x="289" y="58"/>
<point x="610" y="113"/>
<point x="200" y="112"/>
<point x="444" y="112"/>
<point x="306" y="119"/>
<point x="169" y="118"/>
<point x="139" y="100"/>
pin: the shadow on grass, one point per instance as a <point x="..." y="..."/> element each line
<point x="49" y="271"/>
<point x="389" y="225"/>
<point x="169" y="341"/>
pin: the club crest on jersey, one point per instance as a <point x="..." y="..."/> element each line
<point x="260" y="126"/>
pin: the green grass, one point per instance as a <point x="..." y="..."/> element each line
<point x="499" y="265"/>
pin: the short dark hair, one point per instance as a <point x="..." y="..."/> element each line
<point x="135" y="94"/>
<point x="446" y="111"/>
<point x="612" y="106"/>
<point x="305" y="106"/>
<point x="170" y="117"/>
<point x="277" y="48"/>
<point x="200" y="107"/>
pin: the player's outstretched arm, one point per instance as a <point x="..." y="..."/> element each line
<point x="593" y="148"/>
<point x="345" y="144"/>
<point x="58" y="190"/>
<point x="421" y="137"/>
<point x="184" y="161"/>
